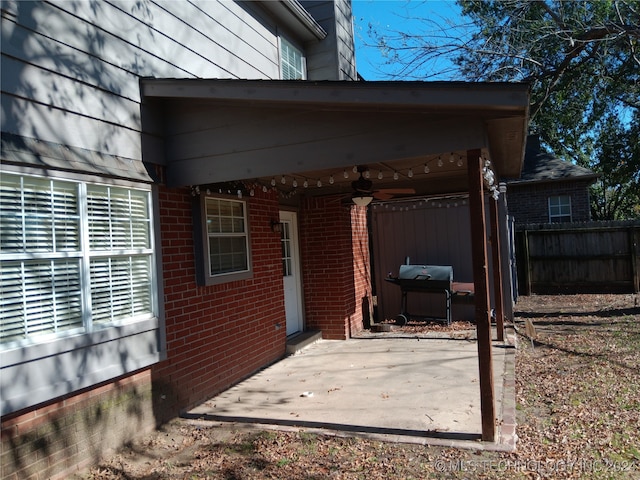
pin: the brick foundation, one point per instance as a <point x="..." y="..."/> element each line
<point x="54" y="440"/>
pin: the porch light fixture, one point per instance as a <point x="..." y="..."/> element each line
<point x="276" y="226"/>
<point x="362" y="199"/>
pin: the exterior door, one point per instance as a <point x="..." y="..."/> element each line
<point x="291" y="272"/>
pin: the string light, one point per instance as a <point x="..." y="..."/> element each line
<point x="488" y="175"/>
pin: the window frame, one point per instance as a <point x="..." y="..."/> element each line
<point x="286" y="42"/>
<point x="203" y="265"/>
<point x="56" y="364"/>
<point x="559" y="217"/>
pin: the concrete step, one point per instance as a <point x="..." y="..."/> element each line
<point x="301" y="340"/>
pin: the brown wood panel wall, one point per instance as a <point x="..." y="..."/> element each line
<point x="595" y="257"/>
<point x="433" y="232"/>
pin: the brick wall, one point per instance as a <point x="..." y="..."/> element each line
<point x="362" y="317"/>
<point x="333" y="269"/>
<point x="528" y="203"/>
<point x="216" y="336"/>
<point x="219" y="334"/>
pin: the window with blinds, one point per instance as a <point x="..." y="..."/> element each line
<point x="227" y="236"/>
<point x="74" y="257"/>
<point x="292" y="61"/>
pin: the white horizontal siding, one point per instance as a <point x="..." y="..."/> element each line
<point x="61" y="92"/>
<point x="61" y="59"/>
<point x="77" y="64"/>
<point x="246" y="48"/>
<point x="72" y="363"/>
<point x="67" y="128"/>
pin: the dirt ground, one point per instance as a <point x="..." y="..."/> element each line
<point x="578" y="408"/>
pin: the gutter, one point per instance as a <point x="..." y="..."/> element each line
<point x="294" y="15"/>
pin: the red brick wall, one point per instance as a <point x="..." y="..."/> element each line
<point x="332" y="271"/>
<point x="216" y="335"/>
<point x="361" y="270"/>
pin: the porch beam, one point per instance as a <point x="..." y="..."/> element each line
<point x="278" y="146"/>
<point x="498" y="293"/>
<point x="481" y="284"/>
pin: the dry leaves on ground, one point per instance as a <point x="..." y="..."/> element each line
<point x="578" y="401"/>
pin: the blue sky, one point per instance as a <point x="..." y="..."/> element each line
<point x="388" y="15"/>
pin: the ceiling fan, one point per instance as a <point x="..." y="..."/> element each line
<point x="363" y="191"/>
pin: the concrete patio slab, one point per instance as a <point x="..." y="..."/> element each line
<point x="406" y="388"/>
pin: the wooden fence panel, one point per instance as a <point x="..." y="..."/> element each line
<point x="595" y="257"/>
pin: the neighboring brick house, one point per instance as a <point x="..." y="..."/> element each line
<point x="550" y="189"/>
<point x="175" y="202"/>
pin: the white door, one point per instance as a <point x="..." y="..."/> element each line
<point x="291" y="272"/>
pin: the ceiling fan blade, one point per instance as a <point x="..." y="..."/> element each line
<point x="379" y="195"/>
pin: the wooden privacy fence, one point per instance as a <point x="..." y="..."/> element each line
<point x="594" y="257"/>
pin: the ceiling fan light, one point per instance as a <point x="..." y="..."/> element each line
<point x="362" y="200"/>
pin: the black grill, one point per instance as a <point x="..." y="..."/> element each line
<point x="429" y="279"/>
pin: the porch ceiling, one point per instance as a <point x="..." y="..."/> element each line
<point x="211" y="131"/>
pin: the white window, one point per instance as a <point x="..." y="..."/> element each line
<point x="226" y="252"/>
<point x="74" y="257"/>
<point x="292" y="62"/>
<point x="560" y="209"/>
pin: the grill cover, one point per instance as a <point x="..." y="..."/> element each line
<point x="426" y="276"/>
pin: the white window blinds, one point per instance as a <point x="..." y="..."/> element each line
<point x="72" y="256"/>
<point x="292" y="61"/>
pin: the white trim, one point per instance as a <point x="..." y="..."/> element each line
<point x="558" y="218"/>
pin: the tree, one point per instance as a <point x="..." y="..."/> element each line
<point x="582" y="60"/>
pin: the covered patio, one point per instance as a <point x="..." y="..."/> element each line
<point x="391" y="387"/>
<point x="311" y="140"/>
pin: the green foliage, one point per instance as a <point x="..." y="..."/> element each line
<point x="582" y="60"/>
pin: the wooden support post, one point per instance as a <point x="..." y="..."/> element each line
<point x="527" y="263"/>
<point x="481" y="283"/>
<point x="497" y="268"/>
